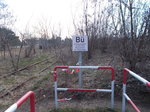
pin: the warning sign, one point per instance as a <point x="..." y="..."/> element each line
<point x="79" y="43"/>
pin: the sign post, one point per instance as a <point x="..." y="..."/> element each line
<point x="80" y="44"/>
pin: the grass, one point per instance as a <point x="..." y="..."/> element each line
<point x="4" y="106"/>
<point x="41" y="82"/>
<point x="10" y="81"/>
<point x="27" y="61"/>
<point x="97" y="109"/>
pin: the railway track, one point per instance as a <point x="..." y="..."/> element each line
<point x="11" y="89"/>
<point x="26" y="67"/>
<point x="8" y="91"/>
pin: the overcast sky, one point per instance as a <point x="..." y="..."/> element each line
<point x="57" y="12"/>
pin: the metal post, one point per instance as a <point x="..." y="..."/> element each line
<point x="32" y="102"/>
<point x="123" y="98"/>
<point x="80" y="73"/>
<point x="112" y="94"/>
<point x="149" y="22"/>
<point x="56" y="96"/>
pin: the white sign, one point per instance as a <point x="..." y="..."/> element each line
<point x="79" y="43"/>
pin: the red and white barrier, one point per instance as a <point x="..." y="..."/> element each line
<point x="56" y="89"/>
<point x="124" y="95"/>
<point x="16" y="105"/>
<point x="84" y="90"/>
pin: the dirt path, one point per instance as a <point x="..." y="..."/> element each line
<point x="49" y="104"/>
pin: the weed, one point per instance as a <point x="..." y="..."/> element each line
<point x="41" y="82"/>
<point x="9" y="81"/>
<point x="27" y="61"/>
<point x="4" y="106"/>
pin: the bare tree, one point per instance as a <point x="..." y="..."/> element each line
<point x="9" y="39"/>
<point x="6" y="20"/>
<point x="125" y="20"/>
<point x="133" y="44"/>
<point x="20" y="50"/>
<point x="6" y="17"/>
<point x="30" y="43"/>
<point x="43" y="29"/>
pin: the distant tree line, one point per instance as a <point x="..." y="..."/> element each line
<point x="119" y="27"/>
<point x="7" y="36"/>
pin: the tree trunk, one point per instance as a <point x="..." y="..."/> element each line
<point x="11" y="56"/>
<point x="18" y="59"/>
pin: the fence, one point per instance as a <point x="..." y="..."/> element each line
<point x="56" y="89"/>
<point x="16" y="105"/>
<point x="124" y="95"/>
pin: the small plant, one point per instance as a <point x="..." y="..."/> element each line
<point x="39" y="83"/>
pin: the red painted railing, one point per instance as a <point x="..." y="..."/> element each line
<point x="16" y="105"/>
<point x="124" y="94"/>
<point x="56" y="89"/>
